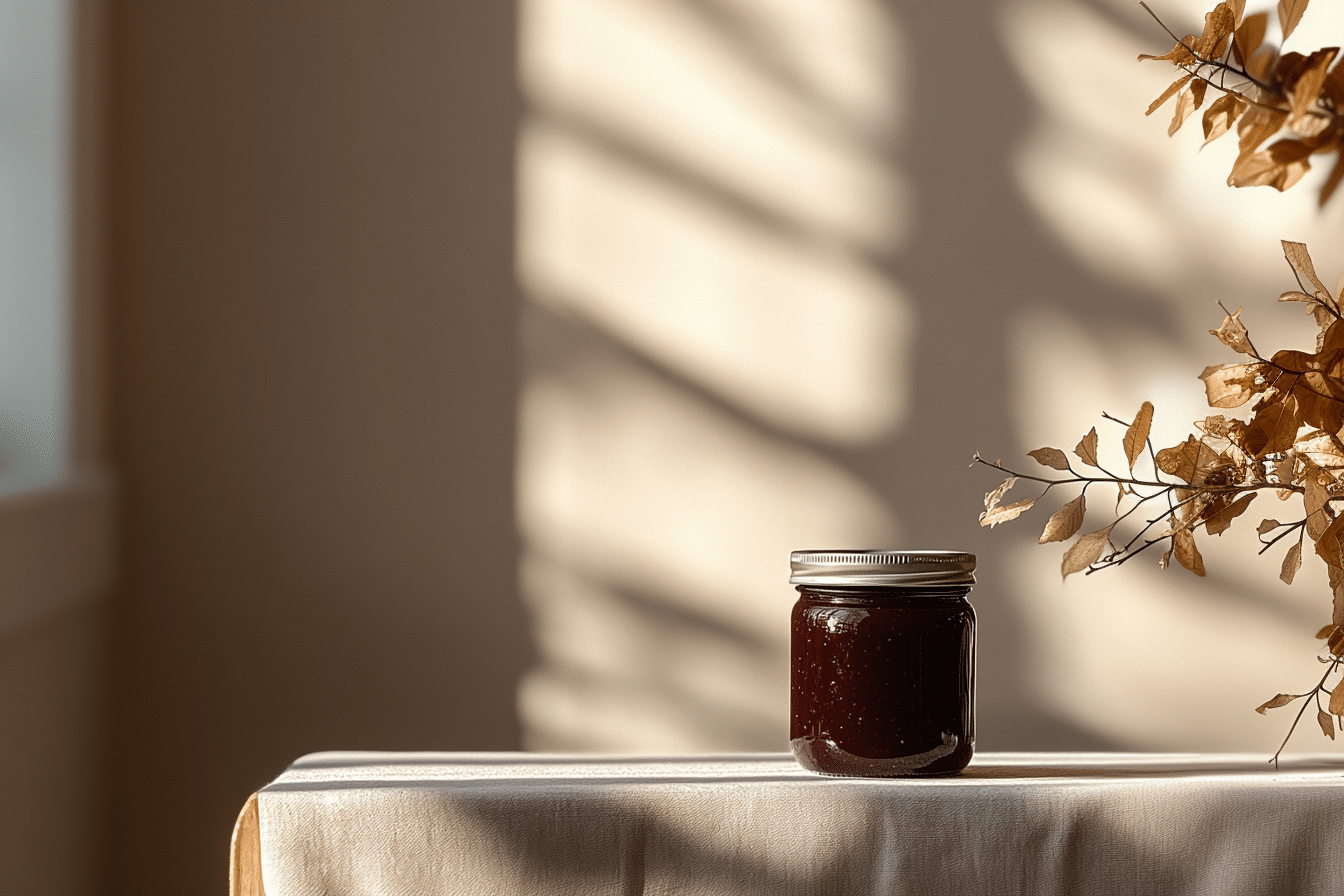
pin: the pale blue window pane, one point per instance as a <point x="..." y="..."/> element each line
<point x="34" y="238"/>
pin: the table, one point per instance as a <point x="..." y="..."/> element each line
<point x="425" y="824"/>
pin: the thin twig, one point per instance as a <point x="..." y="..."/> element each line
<point x="1316" y="691"/>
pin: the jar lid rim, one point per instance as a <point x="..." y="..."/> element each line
<point x="882" y="567"/>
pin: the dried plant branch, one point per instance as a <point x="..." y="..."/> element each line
<point x="1291" y="443"/>
<point x="1219" y="63"/>
<point x="1285" y="108"/>
<point x="1286" y="699"/>
<point x="1290" y="93"/>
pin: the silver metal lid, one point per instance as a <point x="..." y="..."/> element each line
<point x="882" y="568"/>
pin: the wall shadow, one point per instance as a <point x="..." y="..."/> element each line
<point x="313" y="370"/>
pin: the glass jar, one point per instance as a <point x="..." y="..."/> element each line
<point x="883" y="662"/>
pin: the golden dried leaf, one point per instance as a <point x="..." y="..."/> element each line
<point x="1267" y="526"/>
<point x="1087" y="448"/>
<point x="1334" y="86"/>
<point x="1233" y="334"/>
<point x="1050" y="457"/>
<point x="1283" y="473"/>
<point x="1336" y="578"/>
<point x="1218" y="523"/>
<point x="1294" y="295"/>
<point x="1321" y="448"/>
<point x="1327" y="723"/>
<point x="1184" y="460"/>
<point x="1335" y="642"/>
<point x="1313" y="124"/>
<point x="1136" y="436"/>
<point x="1306" y="90"/>
<point x="1275" y="702"/>
<point x="1329" y="546"/>
<point x="1292" y="562"/>
<point x="1218" y="26"/>
<point x="1273" y="428"/>
<point x="1326" y="631"/>
<point x="1216" y="426"/>
<point x="1280" y="166"/>
<point x="1003" y="513"/>
<point x="1330" y="347"/>
<point x="1168" y="94"/>
<point x="1337" y="700"/>
<point x="1309" y="387"/>
<point x="992" y="499"/>
<point x="1316" y="504"/>
<point x="1177" y="55"/>
<point x="1255" y="127"/>
<point x="1323" y="365"/>
<point x="1261" y="65"/>
<point x="1220" y="115"/>
<point x="1086" y="551"/>
<point x="1187" y="554"/>
<point x="1231" y="385"/>
<point x="1249" y="35"/>
<point x="1321" y="400"/>
<point x="1287" y="70"/>
<point x="1290" y="13"/>
<point x="1300" y="259"/>
<point x="1066" y="521"/>
<point x="1199" y="89"/>
<point x="1186" y="508"/>
<point x="1186" y="103"/>
<point x="1332" y="93"/>
<point x="1323" y="316"/>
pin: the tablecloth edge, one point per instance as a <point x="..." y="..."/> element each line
<point x="245" y="852"/>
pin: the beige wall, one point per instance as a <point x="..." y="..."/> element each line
<point x="312" y="374"/>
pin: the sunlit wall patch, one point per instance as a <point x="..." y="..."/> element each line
<point x="707" y="201"/>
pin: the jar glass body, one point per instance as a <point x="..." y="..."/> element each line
<point x="883" y="680"/>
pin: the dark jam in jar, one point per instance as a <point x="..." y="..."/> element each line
<point x="883" y="662"/>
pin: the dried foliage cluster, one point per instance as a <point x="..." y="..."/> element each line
<point x="1288" y="439"/>
<point x="1264" y="92"/>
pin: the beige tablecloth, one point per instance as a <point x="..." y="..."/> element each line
<point x="498" y="824"/>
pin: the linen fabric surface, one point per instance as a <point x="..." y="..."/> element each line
<point x="498" y="824"/>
